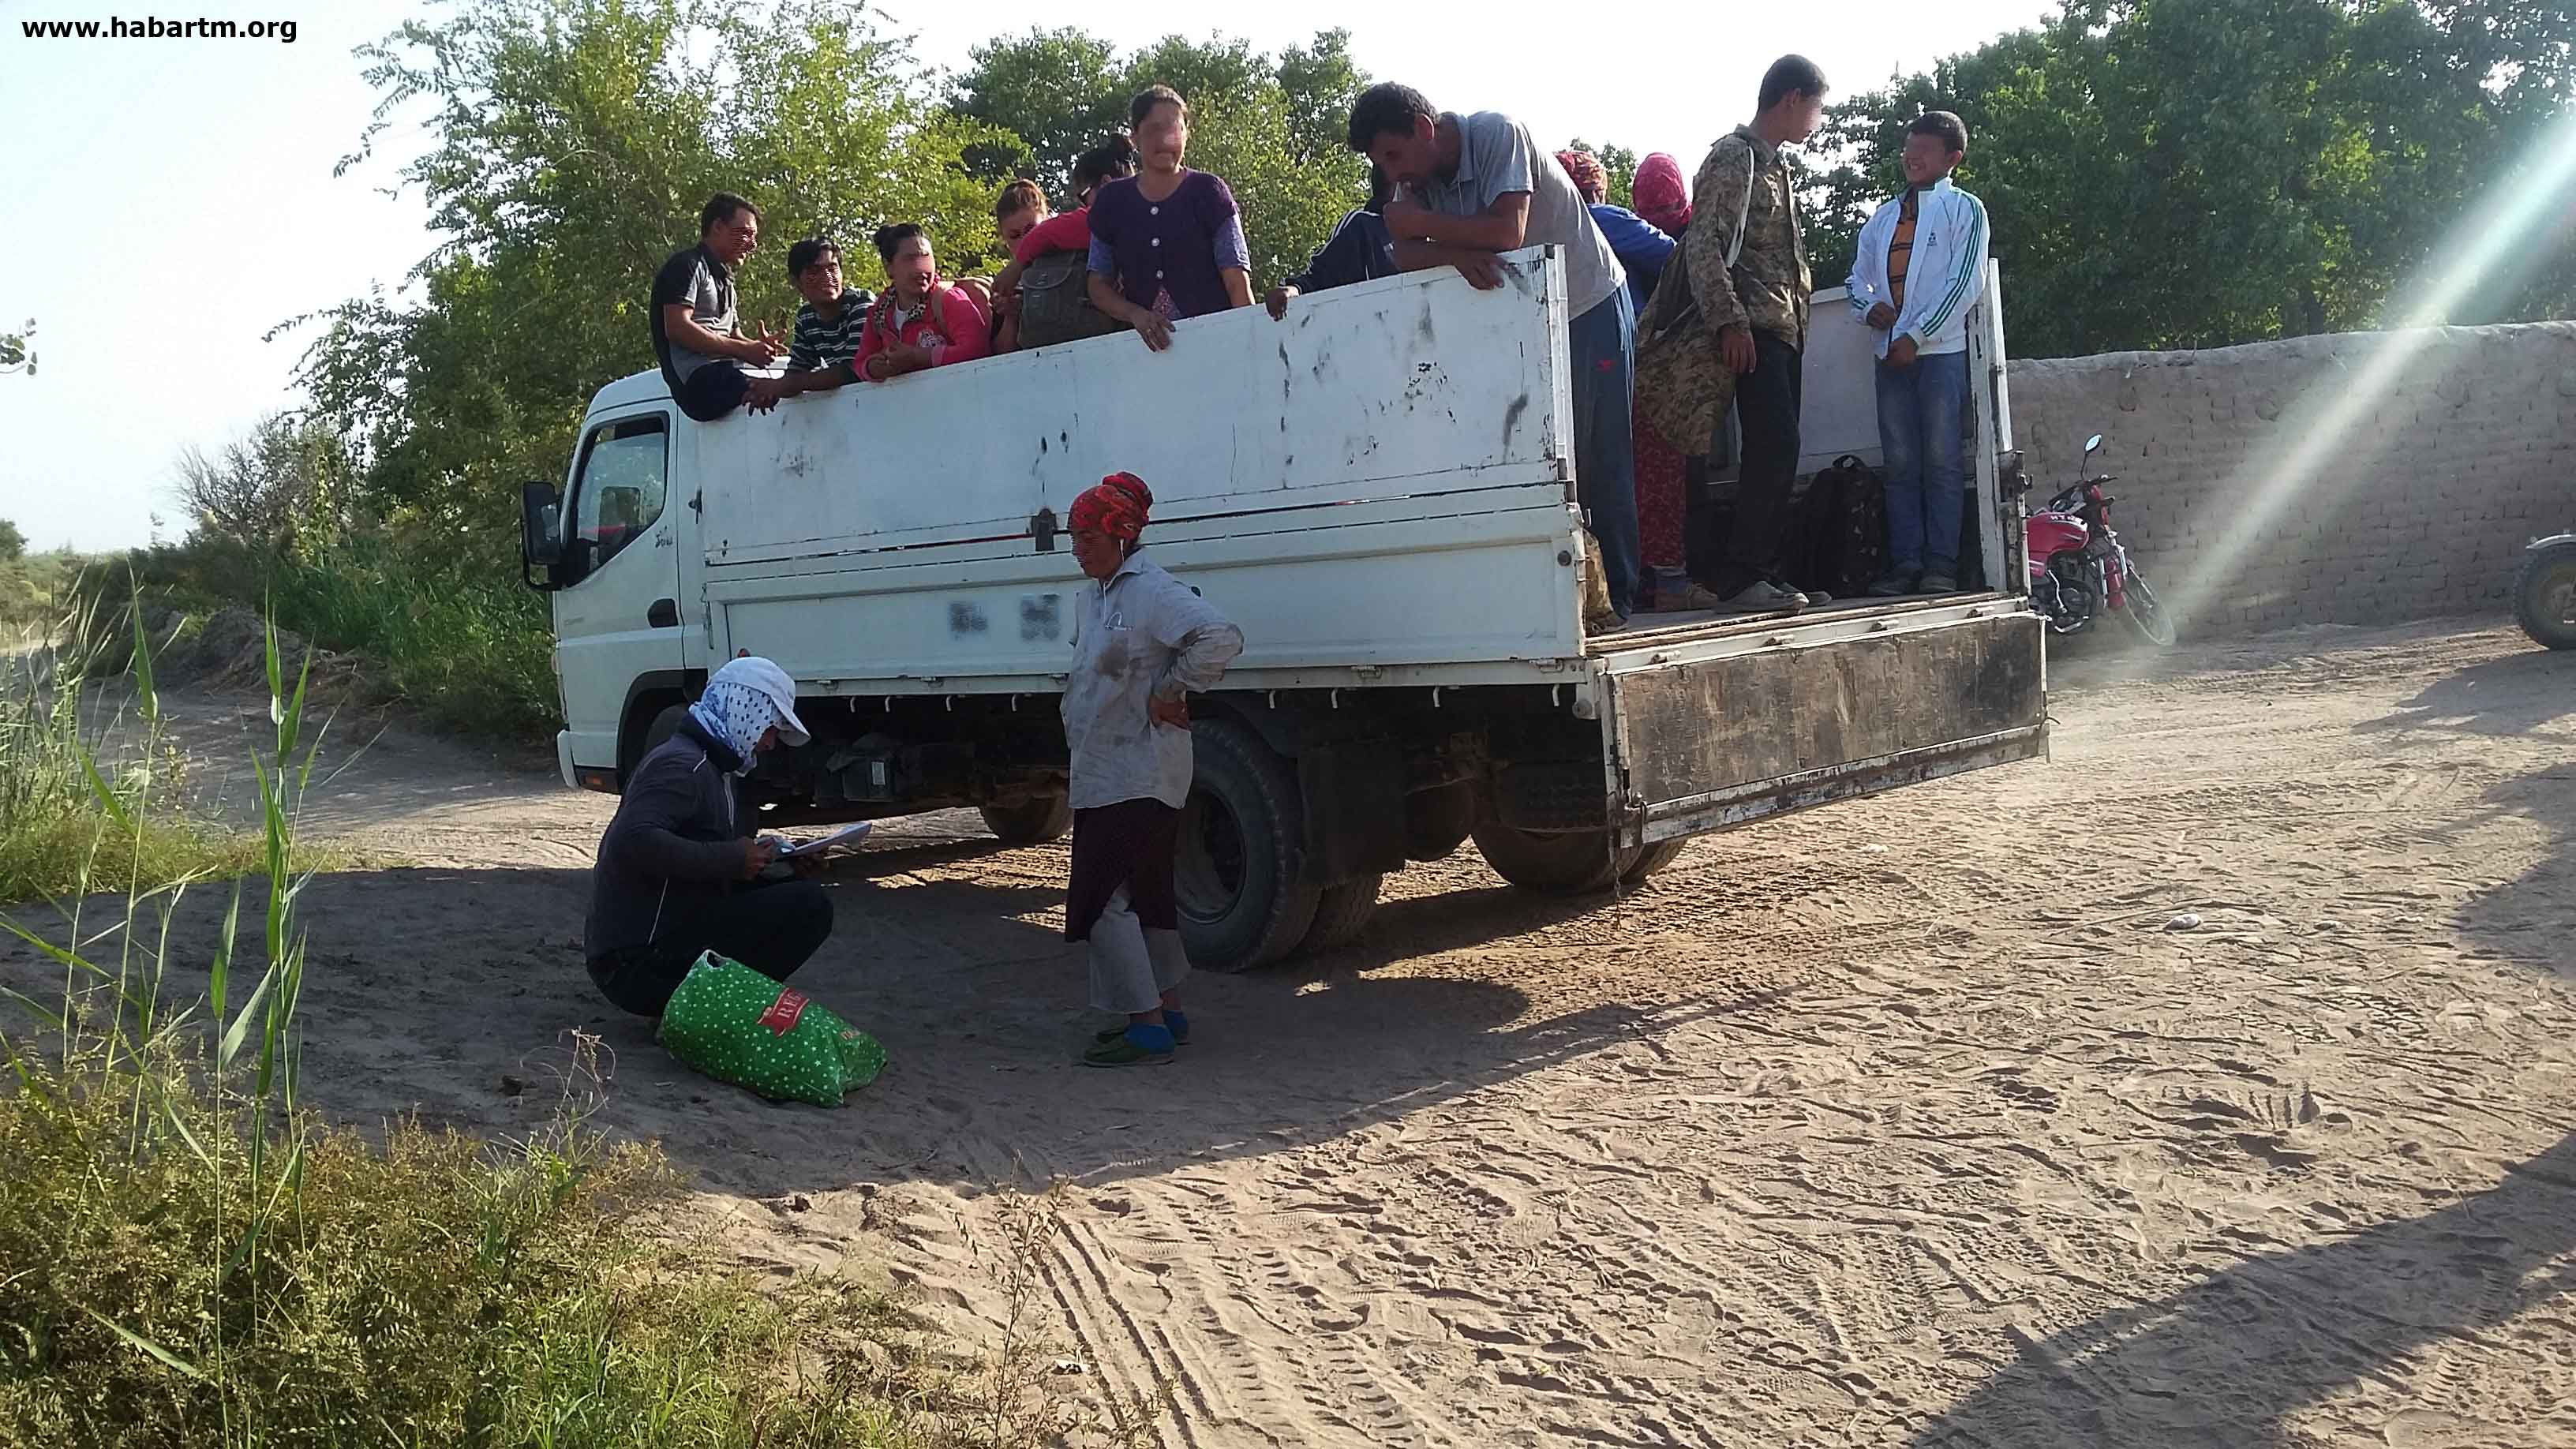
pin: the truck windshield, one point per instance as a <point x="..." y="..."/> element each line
<point x="619" y="495"/>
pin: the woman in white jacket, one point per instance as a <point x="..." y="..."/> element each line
<point x="1142" y="643"/>
<point x="1915" y="279"/>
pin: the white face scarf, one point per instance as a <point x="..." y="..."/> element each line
<point x="736" y="714"/>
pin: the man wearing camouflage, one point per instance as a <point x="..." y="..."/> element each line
<point x="1748" y="268"/>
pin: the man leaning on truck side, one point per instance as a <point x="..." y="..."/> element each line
<point x="695" y="335"/>
<point x="1915" y="278"/>
<point x="1470" y="187"/>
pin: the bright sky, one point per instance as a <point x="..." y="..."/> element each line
<point x="171" y="201"/>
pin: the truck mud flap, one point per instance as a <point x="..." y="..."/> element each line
<point x="1713" y="732"/>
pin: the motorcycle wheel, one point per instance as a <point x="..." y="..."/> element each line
<point x="2146" y="613"/>
<point x="2544" y="594"/>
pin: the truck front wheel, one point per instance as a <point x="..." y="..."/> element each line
<point x="1555" y="863"/>
<point x="1242" y="904"/>
<point x="1031" y="822"/>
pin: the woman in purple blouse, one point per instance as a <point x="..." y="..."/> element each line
<point x="1166" y="243"/>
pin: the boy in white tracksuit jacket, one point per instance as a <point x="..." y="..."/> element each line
<point x="1920" y="266"/>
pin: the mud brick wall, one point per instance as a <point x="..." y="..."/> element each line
<point x="2423" y="504"/>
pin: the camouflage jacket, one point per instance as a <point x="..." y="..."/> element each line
<point x="1768" y="286"/>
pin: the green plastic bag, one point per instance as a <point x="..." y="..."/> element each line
<point x="739" y="1026"/>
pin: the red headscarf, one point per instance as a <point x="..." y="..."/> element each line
<point x="1659" y="194"/>
<point x="1117" y="507"/>
<point x="1586" y="170"/>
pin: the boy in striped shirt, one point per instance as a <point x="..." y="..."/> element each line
<point x="828" y="325"/>
<point x="1915" y="280"/>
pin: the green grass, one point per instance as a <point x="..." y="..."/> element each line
<point x="189" y="1256"/>
<point x="462" y="645"/>
<point x="70" y="821"/>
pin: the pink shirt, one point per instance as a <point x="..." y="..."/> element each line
<point x="951" y="324"/>
<point x="1066" y="231"/>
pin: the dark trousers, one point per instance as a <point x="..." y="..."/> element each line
<point x="714" y="390"/>
<point x="1132" y="845"/>
<point x="1767" y="401"/>
<point x="773" y="927"/>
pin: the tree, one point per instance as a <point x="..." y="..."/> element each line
<point x="2149" y="188"/>
<point x="281" y="486"/>
<point x="13" y="542"/>
<point x="18" y="350"/>
<point x="1275" y="129"/>
<point x="1618" y="166"/>
<point x="571" y="144"/>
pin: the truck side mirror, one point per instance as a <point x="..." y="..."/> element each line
<point x="540" y="535"/>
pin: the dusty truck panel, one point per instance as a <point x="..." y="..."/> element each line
<point x="1403" y="388"/>
<point x="1723" y="730"/>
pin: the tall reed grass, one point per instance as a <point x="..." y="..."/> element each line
<point x="189" y="1256"/>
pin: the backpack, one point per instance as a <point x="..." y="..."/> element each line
<point x="1682" y="383"/>
<point x="1055" y="302"/>
<point x="1838" y="539"/>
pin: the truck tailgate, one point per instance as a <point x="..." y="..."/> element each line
<point x="1720" y="723"/>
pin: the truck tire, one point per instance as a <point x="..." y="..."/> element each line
<point x="664" y="725"/>
<point x="1555" y="863"/>
<point x="1652" y="858"/>
<point x="1341" y="912"/>
<point x="1242" y="905"/>
<point x="1437" y="821"/>
<point x="2541" y="602"/>
<point x="1031" y="822"/>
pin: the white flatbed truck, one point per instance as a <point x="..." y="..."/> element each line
<point x="1379" y="489"/>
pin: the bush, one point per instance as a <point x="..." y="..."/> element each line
<point x="68" y="823"/>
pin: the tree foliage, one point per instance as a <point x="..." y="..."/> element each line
<point x="1618" y="166"/>
<point x="18" y="349"/>
<point x="1273" y="127"/>
<point x="285" y="485"/>
<point x="571" y="144"/>
<point x="13" y="542"/>
<point x="2184" y="173"/>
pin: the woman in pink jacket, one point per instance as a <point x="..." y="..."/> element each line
<point x="922" y="320"/>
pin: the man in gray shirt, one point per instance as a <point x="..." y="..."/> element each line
<point x="694" y="332"/>
<point x="1474" y="186"/>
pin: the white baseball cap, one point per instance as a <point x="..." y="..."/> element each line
<point x="753" y="672"/>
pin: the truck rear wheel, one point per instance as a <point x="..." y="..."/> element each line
<point x="1242" y="905"/>
<point x="1341" y="913"/>
<point x="1652" y="858"/>
<point x="1031" y="822"/>
<point x="1555" y="863"/>
<point x="1437" y="821"/>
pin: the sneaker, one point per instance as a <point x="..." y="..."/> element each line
<point x="1763" y="597"/>
<point x="1174" y="1022"/>
<point x="1816" y="598"/>
<point x="1939" y="584"/>
<point x="1605" y="623"/>
<point x="1894" y="584"/>
<point x="1141" y="1044"/>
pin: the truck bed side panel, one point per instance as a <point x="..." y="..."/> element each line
<point x="1756" y="723"/>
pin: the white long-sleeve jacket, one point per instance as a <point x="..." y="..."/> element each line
<point x="1139" y="634"/>
<point x="1943" y="275"/>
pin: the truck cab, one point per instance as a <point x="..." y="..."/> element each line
<point x="1379" y="489"/>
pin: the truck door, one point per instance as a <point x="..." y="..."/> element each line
<point x="618" y="620"/>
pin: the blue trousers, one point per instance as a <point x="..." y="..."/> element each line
<point x="1602" y="346"/>
<point x="1921" y="415"/>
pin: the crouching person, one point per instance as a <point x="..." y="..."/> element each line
<point x="679" y="871"/>
<point x="1142" y="642"/>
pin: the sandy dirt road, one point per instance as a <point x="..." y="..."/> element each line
<point x="1905" y="1122"/>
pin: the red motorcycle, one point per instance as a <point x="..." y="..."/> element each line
<point x="2078" y="570"/>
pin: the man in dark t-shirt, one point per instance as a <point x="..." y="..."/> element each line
<point x="695" y="335"/>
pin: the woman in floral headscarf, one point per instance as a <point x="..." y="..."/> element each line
<point x="1662" y="198"/>
<point x="1142" y="642"/>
